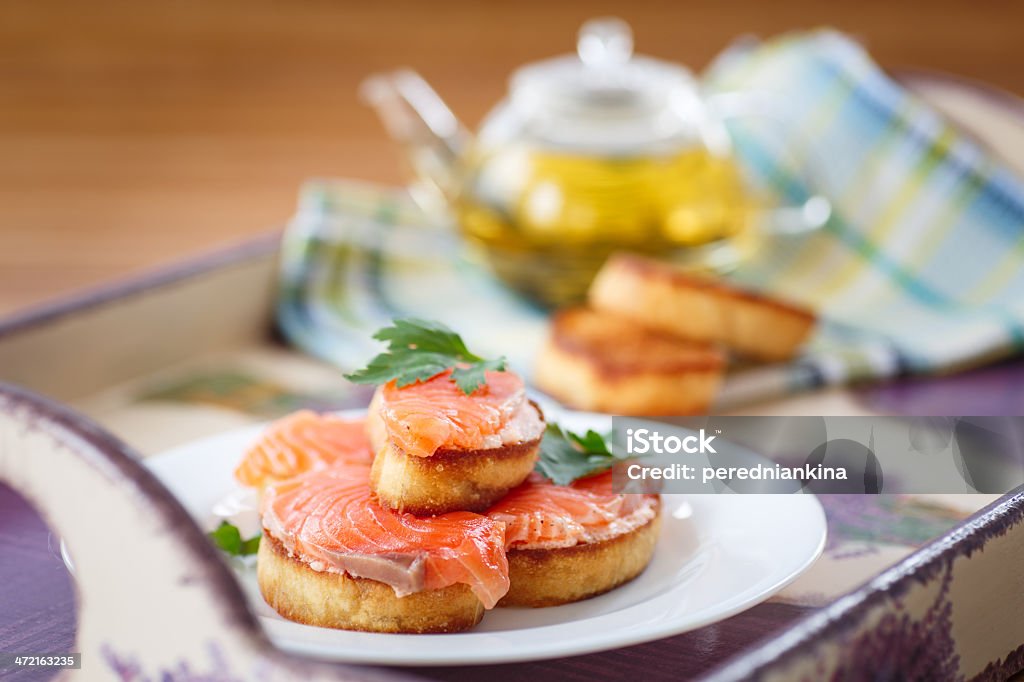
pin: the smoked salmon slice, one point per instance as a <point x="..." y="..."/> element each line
<point x="330" y="519"/>
<point x="301" y="442"/>
<point x="541" y="515"/>
<point x="429" y="415"/>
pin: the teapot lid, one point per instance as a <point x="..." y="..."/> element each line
<point x="605" y="96"/>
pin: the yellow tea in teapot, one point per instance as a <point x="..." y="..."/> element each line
<point x="553" y="218"/>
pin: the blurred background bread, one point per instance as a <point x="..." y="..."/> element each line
<point x="609" y="363"/>
<point x="701" y="309"/>
<point x="654" y="339"/>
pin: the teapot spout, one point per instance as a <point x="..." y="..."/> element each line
<point x="432" y="137"/>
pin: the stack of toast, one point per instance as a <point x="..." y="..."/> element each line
<point x="428" y="513"/>
<point x="656" y="341"/>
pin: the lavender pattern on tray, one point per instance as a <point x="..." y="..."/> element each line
<point x="902" y="520"/>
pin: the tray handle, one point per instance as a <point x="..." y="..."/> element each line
<point x="154" y="596"/>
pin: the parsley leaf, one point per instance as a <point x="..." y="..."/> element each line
<point x="566" y="456"/>
<point x="228" y="538"/>
<point x="591" y="442"/>
<point x="421" y="349"/>
<point x="472" y="377"/>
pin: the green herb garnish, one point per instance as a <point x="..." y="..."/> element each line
<point x="566" y="456"/>
<point x="228" y="538"/>
<point x="418" y="350"/>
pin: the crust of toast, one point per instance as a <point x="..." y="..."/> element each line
<point x="549" y="577"/>
<point x="334" y="600"/>
<point x="661" y="297"/>
<point x="450" y="480"/>
<point x="609" y="363"/>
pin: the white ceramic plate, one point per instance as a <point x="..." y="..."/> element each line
<point x="718" y="555"/>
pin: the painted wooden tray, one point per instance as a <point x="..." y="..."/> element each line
<point x="909" y="587"/>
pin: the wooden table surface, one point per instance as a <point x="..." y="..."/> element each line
<point x="137" y="133"/>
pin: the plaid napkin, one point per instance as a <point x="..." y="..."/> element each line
<point x="355" y="256"/>
<point x="920" y="268"/>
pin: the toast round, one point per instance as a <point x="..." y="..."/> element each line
<point x="549" y="577"/>
<point x="609" y="363"/>
<point x="336" y="600"/>
<point x="699" y="308"/>
<point x="450" y="480"/>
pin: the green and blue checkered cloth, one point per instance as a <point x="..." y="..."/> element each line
<point x="920" y="268"/>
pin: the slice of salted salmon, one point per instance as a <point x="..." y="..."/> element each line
<point x="301" y="442"/>
<point x="539" y="514"/>
<point x="330" y="520"/>
<point x="421" y="418"/>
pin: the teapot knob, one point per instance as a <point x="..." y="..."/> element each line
<point x="607" y="41"/>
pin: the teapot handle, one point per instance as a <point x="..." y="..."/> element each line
<point x="432" y="137"/>
<point x="793" y="219"/>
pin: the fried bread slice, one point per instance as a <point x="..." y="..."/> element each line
<point x="699" y="308"/>
<point x="609" y="363"/>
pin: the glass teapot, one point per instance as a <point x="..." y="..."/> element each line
<point x="589" y="154"/>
